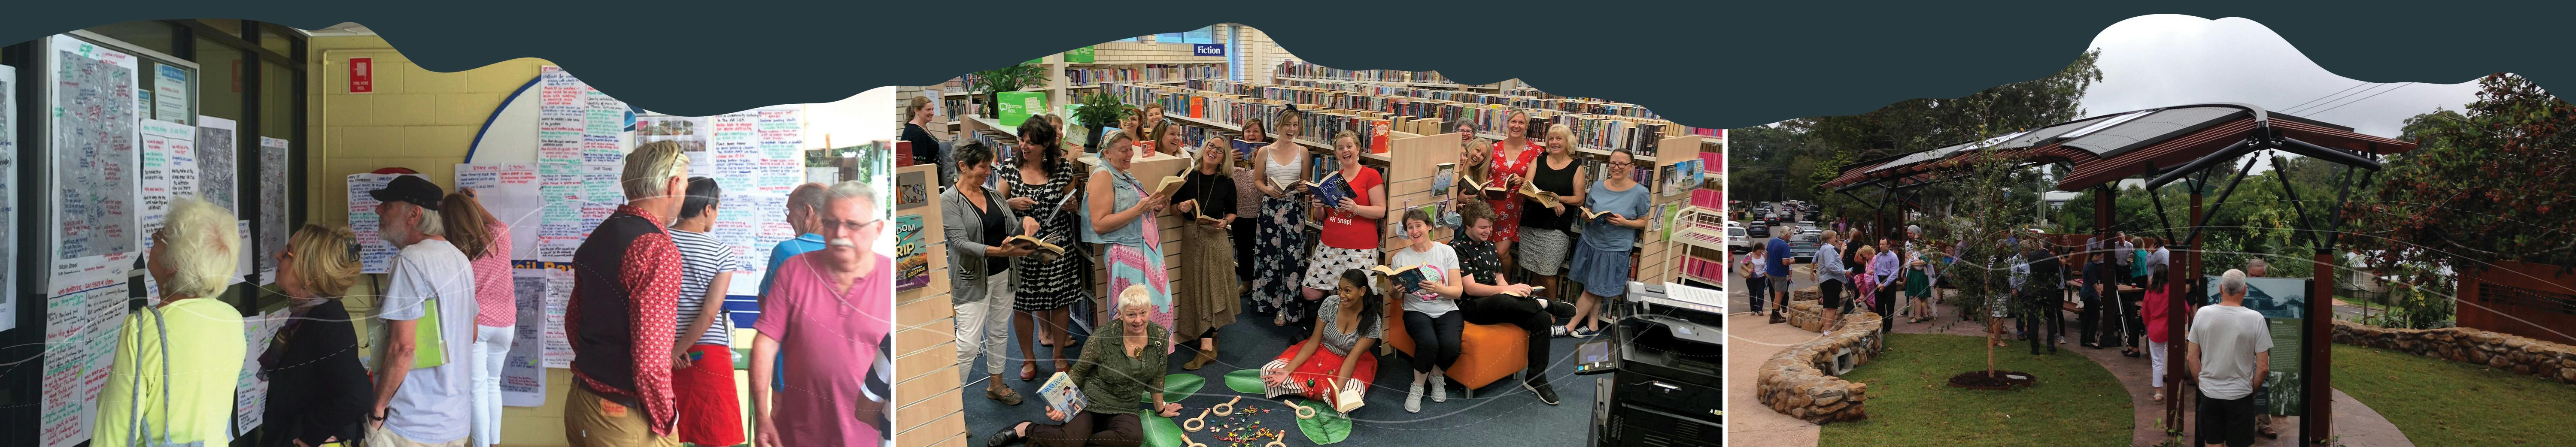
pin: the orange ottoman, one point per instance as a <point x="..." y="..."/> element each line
<point x="1487" y="352"/>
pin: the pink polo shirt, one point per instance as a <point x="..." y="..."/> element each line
<point x="834" y="337"/>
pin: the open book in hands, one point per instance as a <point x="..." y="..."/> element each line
<point x="1544" y="198"/>
<point x="1032" y="243"/>
<point x="1589" y="214"/>
<point x="1409" y="279"/>
<point x="1533" y="291"/>
<point x="1349" y="396"/>
<point x="1199" y="215"/>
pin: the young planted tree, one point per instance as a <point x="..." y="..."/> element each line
<point x="1991" y="193"/>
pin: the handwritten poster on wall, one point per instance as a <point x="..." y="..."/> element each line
<point x="509" y="192"/>
<point x="272" y="206"/>
<point x="373" y="251"/>
<point x="169" y="170"/>
<point x="250" y="392"/>
<point x="83" y="327"/>
<point x="93" y="140"/>
<point x="558" y="347"/>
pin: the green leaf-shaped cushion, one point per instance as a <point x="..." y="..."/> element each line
<point x="1327" y="427"/>
<point x="1245" y="381"/>
<point x="1161" y="431"/>
<point x="1179" y="386"/>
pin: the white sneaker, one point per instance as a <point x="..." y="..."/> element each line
<point x="1413" y="399"/>
<point x="1439" y="385"/>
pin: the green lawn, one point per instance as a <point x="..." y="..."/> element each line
<point x="1912" y="404"/>
<point x="2440" y="402"/>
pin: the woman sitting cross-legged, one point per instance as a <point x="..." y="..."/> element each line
<point x="1124" y="359"/>
<point x="1347" y="324"/>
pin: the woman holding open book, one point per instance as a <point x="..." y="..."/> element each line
<point x="1207" y="204"/>
<point x="1474" y="165"/>
<point x="1347" y="325"/>
<point x="1124" y="359"/>
<point x="1041" y="188"/>
<point x="1510" y="162"/>
<point x="1431" y="314"/>
<point x="1560" y="184"/>
<point x="979" y="225"/>
<point x="1121" y="211"/>
<point x="1356" y="196"/>
<point x="1602" y="261"/>
<point x="1281" y="237"/>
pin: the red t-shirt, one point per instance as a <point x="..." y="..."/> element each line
<point x="1342" y="229"/>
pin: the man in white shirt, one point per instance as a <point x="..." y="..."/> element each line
<point x="2230" y="353"/>
<point x="432" y="406"/>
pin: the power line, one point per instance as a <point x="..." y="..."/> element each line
<point x="2354" y="86"/>
<point x="2381" y="92"/>
<point x="2338" y="98"/>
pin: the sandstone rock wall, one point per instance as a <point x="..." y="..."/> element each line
<point x="2522" y="355"/>
<point x="1798" y="382"/>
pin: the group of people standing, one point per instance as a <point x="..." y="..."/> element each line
<point x="2228" y="352"/>
<point x="653" y="358"/>
<point x="1245" y="235"/>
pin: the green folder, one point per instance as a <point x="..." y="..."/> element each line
<point x="428" y="348"/>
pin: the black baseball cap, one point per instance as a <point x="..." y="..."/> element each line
<point x="410" y="188"/>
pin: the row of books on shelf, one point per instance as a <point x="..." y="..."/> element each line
<point x="1303" y="69"/>
<point x="1143" y="73"/>
<point x="1704" y="269"/>
<point x="1592" y="130"/>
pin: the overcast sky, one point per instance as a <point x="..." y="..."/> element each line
<point x="2165" y="60"/>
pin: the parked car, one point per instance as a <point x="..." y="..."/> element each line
<point x="1735" y="240"/>
<point x="1803" y="247"/>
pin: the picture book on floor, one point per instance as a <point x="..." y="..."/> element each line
<point x="1060" y="393"/>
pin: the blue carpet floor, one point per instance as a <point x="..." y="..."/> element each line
<point x="1501" y="414"/>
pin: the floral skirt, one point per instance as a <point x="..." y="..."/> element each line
<point x="1278" y="258"/>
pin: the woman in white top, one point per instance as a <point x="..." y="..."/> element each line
<point x="1431" y="313"/>
<point x="1280" y="238"/>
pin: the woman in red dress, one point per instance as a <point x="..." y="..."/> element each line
<point x="1509" y="168"/>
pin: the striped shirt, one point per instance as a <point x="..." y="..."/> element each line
<point x="702" y="257"/>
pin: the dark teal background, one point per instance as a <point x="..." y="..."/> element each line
<point x="1704" y="64"/>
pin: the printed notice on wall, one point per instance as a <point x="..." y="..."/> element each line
<point x="9" y="195"/>
<point x="272" y="206"/>
<point x="373" y="251"/>
<point x="94" y="165"/>
<point x="558" y="348"/>
<point x="523" y="370"/>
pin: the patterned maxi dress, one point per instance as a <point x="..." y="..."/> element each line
<point x="1137" y="264"/>
<point x="1279" y="255"/>
<point x="1048" y="284"/>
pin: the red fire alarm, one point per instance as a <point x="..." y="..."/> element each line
<point x="362" y="75"/>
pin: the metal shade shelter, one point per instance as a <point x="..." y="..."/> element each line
<point x="2166" y="145"/>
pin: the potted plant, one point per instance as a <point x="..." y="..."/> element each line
<point x="990" y="83"/>
<point x="1099" y="111"/>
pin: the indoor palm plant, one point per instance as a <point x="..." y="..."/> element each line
<point x="1099" y="111"/>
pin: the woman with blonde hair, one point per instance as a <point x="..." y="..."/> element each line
<point x="1547" y="239"/>
<point x="1281" y="236"/>
<point x="177" y="360"/>
<point x="316" y="348"/>
<point x="1509" y="167"/>
<point x="1207" y="208"/>
<point x="1121" y="215"/>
